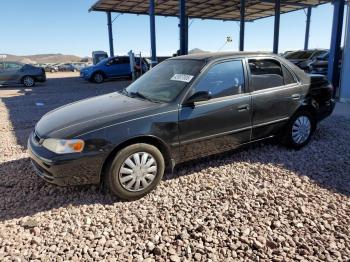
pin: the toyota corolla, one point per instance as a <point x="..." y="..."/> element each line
<point x="184" y="108"/>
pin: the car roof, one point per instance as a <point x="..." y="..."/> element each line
<point x="209" y="56"/>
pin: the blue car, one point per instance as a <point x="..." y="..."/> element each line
<point x="112" y="67"/>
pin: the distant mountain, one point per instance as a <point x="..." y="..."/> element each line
<point x="44" y="58"/>
<point x="196" y="51"/>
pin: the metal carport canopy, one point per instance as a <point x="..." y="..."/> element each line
<point x="205" y="9"/>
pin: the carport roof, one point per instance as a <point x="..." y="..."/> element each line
<point x="205" y="9"/>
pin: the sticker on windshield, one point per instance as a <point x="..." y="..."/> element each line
<point x="182" y="78"/>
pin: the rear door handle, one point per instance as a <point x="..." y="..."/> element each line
<point x="243" y="108"/>
<point x="296" y="96"/>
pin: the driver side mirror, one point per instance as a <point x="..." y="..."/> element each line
<point x="197" y="97"/>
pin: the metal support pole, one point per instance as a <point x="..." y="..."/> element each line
<point x="307" y="31"/>
<point x="277" y="26"/>
<point x="110" y="34"/>
<point x="334" y="53"/>
<point x="153" y="33"/>
<point x="183" y="28"/>
<point x="242" y="26"/>
<point x="344" y="94"/>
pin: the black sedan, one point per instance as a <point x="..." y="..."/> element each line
<point x="18" y="73"/>
<point x="304" y="58"/>
<point x="184" y="108"/>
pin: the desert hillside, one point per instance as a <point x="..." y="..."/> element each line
<point x="44" y="58"/>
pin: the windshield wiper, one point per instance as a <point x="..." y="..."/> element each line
<point x="139" y="95"/>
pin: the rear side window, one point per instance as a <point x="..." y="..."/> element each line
<point x="223" y="79"/>
<point x="265" y="73"/>
<point x="118" y="61"/>
<point x="288" y="77"/>
<point x="124" y="60"/>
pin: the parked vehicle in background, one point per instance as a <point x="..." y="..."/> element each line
<point x="67" y="67"/>
<point x="286" y="53"/>
<point x="184" y="108"/>
<point x="79" y="65"/>
<point x="320" y="64"/>
<point x="304" y="58"/>
<point x="50" y="68"/>
<point x="111" y="68"/>
<point x="98" y="56"/>
<point x="19" y="73"/>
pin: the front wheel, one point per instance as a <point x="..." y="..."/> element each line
<point x="98" y="78"/>
<point x="135" y="171"/>
<point x="28" y="81"/>
<point x="299" y="130"/>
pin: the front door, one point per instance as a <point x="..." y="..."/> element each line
<point x="276" y="95"/>
<point x="224" y="121"/>
<point x="11" y="72"/>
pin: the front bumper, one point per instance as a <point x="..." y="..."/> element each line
<point x="64" y="170"/>
<point x="85" y="75"/>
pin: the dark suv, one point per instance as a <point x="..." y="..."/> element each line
<point x="184" y="108"/>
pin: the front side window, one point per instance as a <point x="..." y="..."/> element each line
<point x="224" y="79"/>
<point x="265" y="73"/>
<point x="166" y="81"/>
<point x="112" y="61"/>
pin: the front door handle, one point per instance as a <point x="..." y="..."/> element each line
<point x="242" y="108"/>
<point x="296" y="96"/>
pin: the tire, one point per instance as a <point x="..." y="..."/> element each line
<point x="28" y="81"/>
<point x="299" y="130"/>
<point x="125" y="173"/>
<point x="98" y="78"/>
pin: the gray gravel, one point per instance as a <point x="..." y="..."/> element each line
<point x="261" y="203"/>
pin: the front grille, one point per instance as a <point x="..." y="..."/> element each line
<point x="41" y="172"/>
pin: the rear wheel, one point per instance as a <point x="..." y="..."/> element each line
<point x="28" y="81"/>
<point x="98" y="78"/>
<point x="135" y="171"/>
<point x="299" y="129"/>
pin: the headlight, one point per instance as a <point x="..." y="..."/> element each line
<point x="62" y="146"/>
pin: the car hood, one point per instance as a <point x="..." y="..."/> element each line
<point x="90" y="114"/>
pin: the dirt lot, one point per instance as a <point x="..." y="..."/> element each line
<point x="261" y="203"/>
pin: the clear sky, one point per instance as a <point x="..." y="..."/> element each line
<point x="66" y="26"/>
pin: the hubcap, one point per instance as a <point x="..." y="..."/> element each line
<point x="301" y="129"/>
<point x="28" y="81"/>
<point x="138" y="171"/>
<point x="98" y="78"/>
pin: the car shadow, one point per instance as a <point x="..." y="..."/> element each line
<point x="20" y="188"/>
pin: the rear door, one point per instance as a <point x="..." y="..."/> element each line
<point x="276" y="95"/>
<point x="224" y="121"/>
<point x="125" y="66"/>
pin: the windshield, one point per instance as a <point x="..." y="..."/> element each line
<point x="299" y="55"/>
<point x="103" y="61"/>
<point x="166" y="81"/>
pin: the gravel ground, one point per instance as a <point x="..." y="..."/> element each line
<point x="260" y="203"/>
